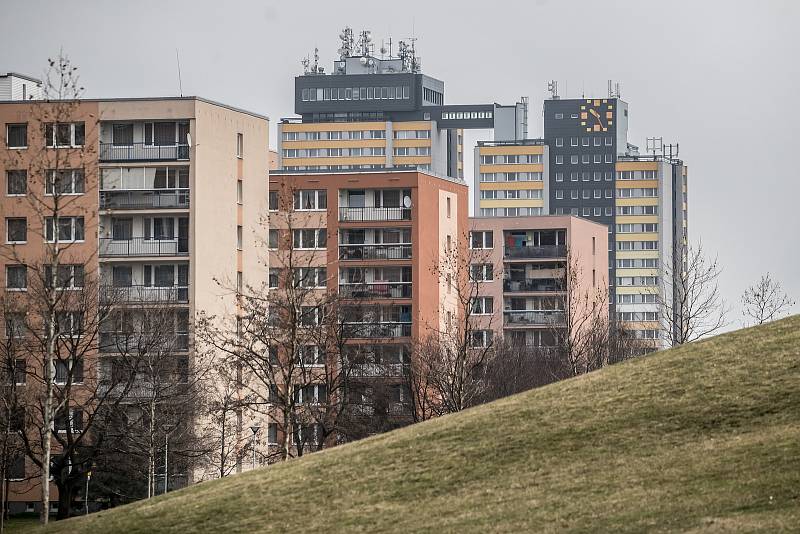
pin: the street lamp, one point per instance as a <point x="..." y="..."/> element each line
<point x="254" y="429"/>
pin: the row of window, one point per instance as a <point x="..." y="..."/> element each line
<point x="56" y="135"/>
<point x="637" y="280"/>
<point x="574" y="159"/>
<point x="585" y="211"/>
<point x="334" y="152"/>
<point x="59" y="182"/>
<point x="511" y="177"/>
<point x="637" y="175"/>
<point x="636" y="228"/>
<point x="586" y="176"/>
<point x="637" y="263"/>
<point x="511" y="212"/>
<point x="637" y="245"/>
<point x="399" y="92"/>
<point x="637" y="298"/>
<point x="510" y="194"/>
<point x="459" y="115"/>
<point x="587" y="141"/>
<point x="637" y="192"/>
<point x="637" y="316"/>
<point x="334" y="135"/>
<point x="67" y="324"/>
<point x="412" y="151"/>
<point x="637" y="210"/>
<point x="511" y="159"/>
<point x="67" y="229"/>
<point x="67" y="276"/>
<point x="575" y="194"/>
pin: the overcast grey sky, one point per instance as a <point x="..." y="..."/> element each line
<point x="722" y="78"/>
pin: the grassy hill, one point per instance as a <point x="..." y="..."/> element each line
<point x="701" y="438"/>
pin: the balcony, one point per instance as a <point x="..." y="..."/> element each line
<point x="375" y="252"/>
<point x="532" y="285"/>
<point x="109" y="152"/>
<point x="377" y="330"/>
<point x="122" y="342"/>
<point x="533" y="318"/>
<point x="144" y="295"/>
<point x="528" y="252"/>
<point x="142" y="247"/>
<point x="368" y="214"/>
<point x="137" y="200"/>
<point x="376" y="290"/>
<point x="140" y="391"/>
<point x="378" y="370"/>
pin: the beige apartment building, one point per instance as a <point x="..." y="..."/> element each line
<point x="167" y="198"/>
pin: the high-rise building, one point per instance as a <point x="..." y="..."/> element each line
<point x="374" y="238"/>
<point x="375" y="111"/>
<point x="162" y="196"/>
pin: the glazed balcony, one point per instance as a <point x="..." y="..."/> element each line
<point x="143" y="247"/>
<point x="122" y="342"/>
<point x="112" y="152"/>
<point x="377" y="329"/>
<point x="539" y="252"/>
<point x="532" y="285"/>
<point x="357" y="252"/>
<point x="533" y="318"/>
<point x="144" y="294"/>
<point x="376" y="290"/>
<point x="137" y="200"/>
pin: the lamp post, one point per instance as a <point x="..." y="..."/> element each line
<point x="86" y="495"/>
<point x="254" y="429"/>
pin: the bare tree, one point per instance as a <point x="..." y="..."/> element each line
<point x="288" y="340"/>
<point x="446" y="372"/>
<point x="765" y="300"/>
<point x="691" y="304"/>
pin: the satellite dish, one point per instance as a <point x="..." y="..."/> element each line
<point x="407" y="201"/>
<point x="363" y="60"/>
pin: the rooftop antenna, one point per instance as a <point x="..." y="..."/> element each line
<point x="305" y="63"/>
<point x="180" y="83"/>
<point x="552" y="87"/>
<point x="613" y="92"/>
<point x="316" y="60"/>
<point x="655" y="145"/>
<point x="610" y="90"/>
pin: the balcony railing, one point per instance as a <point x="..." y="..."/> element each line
<point x="374" y="214"/>
<point x="378" y="370"/>
<point x="529" y="285"/>
<point x="547" y="251"/>
<point x="374" y="252"/>
<point x="139" y="246"/>
<point x="377" y="330"/>
<point x="380" y="290"/>
<point x="144" y="294"/>
<point x="531" y="317"/>
<point x="143" y="152"/>
<point x="134" y="200"/>
<point x="120" y="342"/>
<point x="140" y="391"/>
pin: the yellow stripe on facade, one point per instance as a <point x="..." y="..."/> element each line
<point x="411" y="160"/>
<point x="637" y="254"/>
<point x="637" y="272"/>
<point x="637" y="290"/>
<point x="637" y="165"/>
<point x="634" y="219"/>
<point x="509" y="150"/>
<point x="639" y="236"/>
<point x="644" y="201"/>
<point x="411" y="125"/>
<point x="625" y="184"/>
<point x="505" y="186"/>
<point x="411" y="142"/>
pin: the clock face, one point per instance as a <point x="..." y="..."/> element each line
<point x="597" y="115"/>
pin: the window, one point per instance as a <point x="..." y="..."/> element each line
<point x="310" y="277"/>
<point x="65" y="182"/>
<point x="559" y="141"/>
<point x="609" y="141"/>
<point x="72" y="422"/>
<point x="585" y="141"/>
<point x="559" y="177"/>
<point x="481" y="338"/>
<point x="239" y="237"/>
<point x="573" y="159"/>
<point x="274" y="277"/>
<point x="16" y="182"/>
<point x="559" y="194"/>
<point x="448" y="207"/>
<point x="273" y="201"/>
<point x="482" y="306"/>
<point x="239" y="145"/>
<point x="15" y="327"/>
<point x="574" y="194"/>
<point x="585" y="158"/>
<point x="16" y="277"/>
<point x="481" y="272"/>
<point x="17" y="135"/>
<point x="598" y="193"/>
<point x="481" y="240"/>
<point x="273" y="239"/>
<point x="559" y="159"/>
<point x="310" y="238"/>
<point x="573" y="141"/>
<point x="597" y="141"/>
<point x="16" y="230"/>
<point x="70" y="323"/>
<point x="559" y="115"/>
<point x="573" y="176"/>
<point x="598" y="158"/>
<point x="122" y="134"/>
<point x="67" y="276"/>
<point x="69" y="229"/>
<point x="64" y="134"/>
<point x="609" y="158"/>
<point x="310" y="199"/>
<point x="239" y="191"/>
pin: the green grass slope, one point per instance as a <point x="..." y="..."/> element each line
<point x="701" y="438"/>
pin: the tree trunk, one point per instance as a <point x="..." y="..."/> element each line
<point x="66" y="493"/>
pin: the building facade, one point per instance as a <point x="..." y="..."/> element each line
<point x="373" y="238"/>
<point x="163" y="201"/>
<point x="522" y="294"/>
<point x="511" y="178"/>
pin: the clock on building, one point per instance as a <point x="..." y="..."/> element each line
<point x="597" y="115"/>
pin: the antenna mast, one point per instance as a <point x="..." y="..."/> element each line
<point x="180" y="82"/>
<point x="552" y="87"/>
